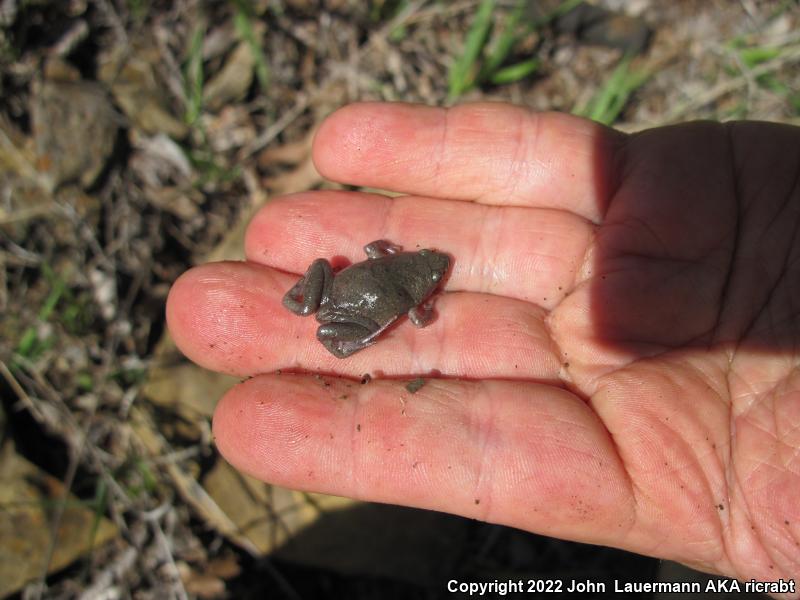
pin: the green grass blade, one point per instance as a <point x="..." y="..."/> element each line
<point x="607" y="104"/>
<point x="462" y="73"/>
<point x="516" y="27"/>
<point x="515" y="72"/>
<point x="243" y="22"/>
<point x="194" y="75"/>
<point x="561" y="9"/>
<point x="759" y="54"/>
<point x="499" y="50"/>
<point x="29" y="344"/>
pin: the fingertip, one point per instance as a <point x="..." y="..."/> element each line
<point x="235" y="435"/>
<point x="227" y="316"/>
<point x="280" y="429"/>
<point x="338" y="132"/>
<point x="180" y="306"/>
<point x="379" y="136"/>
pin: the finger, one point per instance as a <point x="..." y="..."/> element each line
<point x="491" y="153"/>
<point x="528" y="254"/>
<point x="521" y="454"/>
<point x="228" y="317"/>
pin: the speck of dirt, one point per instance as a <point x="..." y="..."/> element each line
<point x="358" y="427"/>
<point x="366" y="378"/>
<point x="415" y="385"/>
<point x="719" y="506"/>
<point x="477" y="501"/>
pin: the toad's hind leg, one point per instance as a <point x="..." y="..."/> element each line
<point x="305" y="296"/>
<point x="343" y="339"/>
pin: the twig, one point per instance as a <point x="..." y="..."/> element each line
<point x="274" y="130"/>
<point x="112" y="19"/>
<point x="304" y="100"/>
<point x="58" y="515"/>
<point x="74" y="36"/>
<point x="788" y="57"/>
<point x="121" y="565"/>
<point x="20" y="391"/>
<point x="154" y="518"/>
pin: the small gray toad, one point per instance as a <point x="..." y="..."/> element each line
<point x="356" y="304"/>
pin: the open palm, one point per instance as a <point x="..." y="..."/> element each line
<point x="615" y="357"/>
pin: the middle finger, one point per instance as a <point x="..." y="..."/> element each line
<point x="528" y="254"/>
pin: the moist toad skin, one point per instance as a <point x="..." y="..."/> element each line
<point x="359" y="302"/>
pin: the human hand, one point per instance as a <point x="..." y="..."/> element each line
<point x="615" y="358"/>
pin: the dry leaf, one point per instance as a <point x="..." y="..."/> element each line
<point x="29" y="497"/>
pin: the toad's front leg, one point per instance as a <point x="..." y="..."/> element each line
<point x="380" y="248"/>
<point x="311" y="289"/>
<point x="421" y="315"/>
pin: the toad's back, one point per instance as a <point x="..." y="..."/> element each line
<point x="378" y="289"/>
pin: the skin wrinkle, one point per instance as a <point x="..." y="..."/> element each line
<point x="618" y="148"/>
<point x="519" y="163"/>
<point x="482" y="491"/>
<point x="723" y="302"/>
<point x="629" y="481"/>
<point x="358" y="447"/>
<point x="391" y="213"/>
<point x="644" y="499"/>
<point x="768" y="301"/>
<point x="786" y="205"/>
<point x="441" y="151"/>
<point x="477" y="245"/>
<point x="755" y="529"/>
<point x="490" y="235"/>
<point x="763" y="464"/>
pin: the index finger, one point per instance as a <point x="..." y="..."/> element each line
<point x="489" y="153"/>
